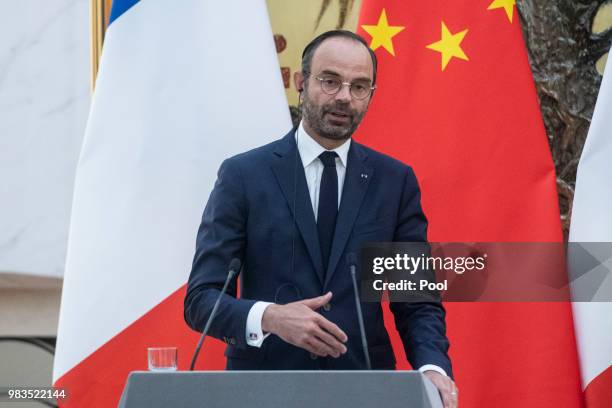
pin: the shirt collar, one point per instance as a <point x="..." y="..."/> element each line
<point x="310" y="150"/>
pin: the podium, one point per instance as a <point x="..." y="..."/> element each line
<point x="282" y="389"/>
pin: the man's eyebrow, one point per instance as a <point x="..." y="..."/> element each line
<point x="366" y="79"/>
<point x="334" y="73"/>
<point x="330" y="72"/>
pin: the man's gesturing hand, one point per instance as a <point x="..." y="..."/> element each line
<point x="446" y="386"/>
<point x="297" y="323"/>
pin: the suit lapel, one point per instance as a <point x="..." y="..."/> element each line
<point x="356" y="182"/>
<point x="289" y="172"/>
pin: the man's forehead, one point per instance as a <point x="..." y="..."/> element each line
<point x="344" y="56"/>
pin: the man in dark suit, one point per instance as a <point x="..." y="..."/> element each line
<point x="291" y="211"/>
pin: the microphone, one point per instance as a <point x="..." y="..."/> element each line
<point x="352" y="261"/>
<point x="234" y="267"/>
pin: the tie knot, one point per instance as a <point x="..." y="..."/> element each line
<point x="328" y="159"/>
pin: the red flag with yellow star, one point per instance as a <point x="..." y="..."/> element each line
<point x="456" y="100"/>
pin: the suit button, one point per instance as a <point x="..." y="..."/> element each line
<point x="313" y="356"/>
<point x="327" y="307"/>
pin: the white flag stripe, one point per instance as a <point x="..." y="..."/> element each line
<point x="182" y="85"/>
<point x="593" y="324"/>
<point x="592" y="222"/>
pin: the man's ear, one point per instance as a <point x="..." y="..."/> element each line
<point x="298" y="80"/>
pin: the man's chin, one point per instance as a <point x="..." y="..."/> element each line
<point x="336" y="136"/>
<point x="336" y="132"/>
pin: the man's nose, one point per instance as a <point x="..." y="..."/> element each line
<point x="344" y="94"/>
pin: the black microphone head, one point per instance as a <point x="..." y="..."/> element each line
<point x="235" y="265"/>
<point x="351" y="259"/>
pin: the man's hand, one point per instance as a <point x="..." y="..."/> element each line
<point x="446" y="386"/>
<point x="297" y="323"/>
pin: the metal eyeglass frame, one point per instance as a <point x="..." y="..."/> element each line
<point x="349" y="84"/>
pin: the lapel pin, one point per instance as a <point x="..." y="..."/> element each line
<point x="364" y="176"/>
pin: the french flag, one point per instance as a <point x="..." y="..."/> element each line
<point x="181" y="86"/>
<point x="592" y="223"/>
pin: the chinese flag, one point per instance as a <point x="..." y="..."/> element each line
<point x="456" y="101"/>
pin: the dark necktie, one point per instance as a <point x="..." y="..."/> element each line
<point x="328" y="204"/>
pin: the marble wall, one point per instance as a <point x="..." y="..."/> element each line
<point x="568" y="43"/>
<point x="44" y="102"/>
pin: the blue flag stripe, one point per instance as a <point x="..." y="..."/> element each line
<point x="119" y="7"/>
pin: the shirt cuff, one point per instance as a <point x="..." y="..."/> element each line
<point x="432" y="367"/>
<point x="254" y="334"/>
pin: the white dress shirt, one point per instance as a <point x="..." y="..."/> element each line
<point x="313" y="166"/>
<point x="309" y="151"/>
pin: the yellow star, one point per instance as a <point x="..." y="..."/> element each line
<point x="507" y="5"/>
<point x="449" y="46"/>
<point x="382" y="33"/>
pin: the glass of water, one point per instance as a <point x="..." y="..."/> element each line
<point x="162" y="358"/>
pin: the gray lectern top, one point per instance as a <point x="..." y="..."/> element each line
<point x="282" y="389"/>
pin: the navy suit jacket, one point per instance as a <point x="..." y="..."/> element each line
<point x="250" y="215"/>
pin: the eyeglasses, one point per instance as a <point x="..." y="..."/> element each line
<point x="360" y="89"/>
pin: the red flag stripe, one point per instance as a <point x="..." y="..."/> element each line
<point x="598" y="393"/>
<point x="98" y="380"/>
